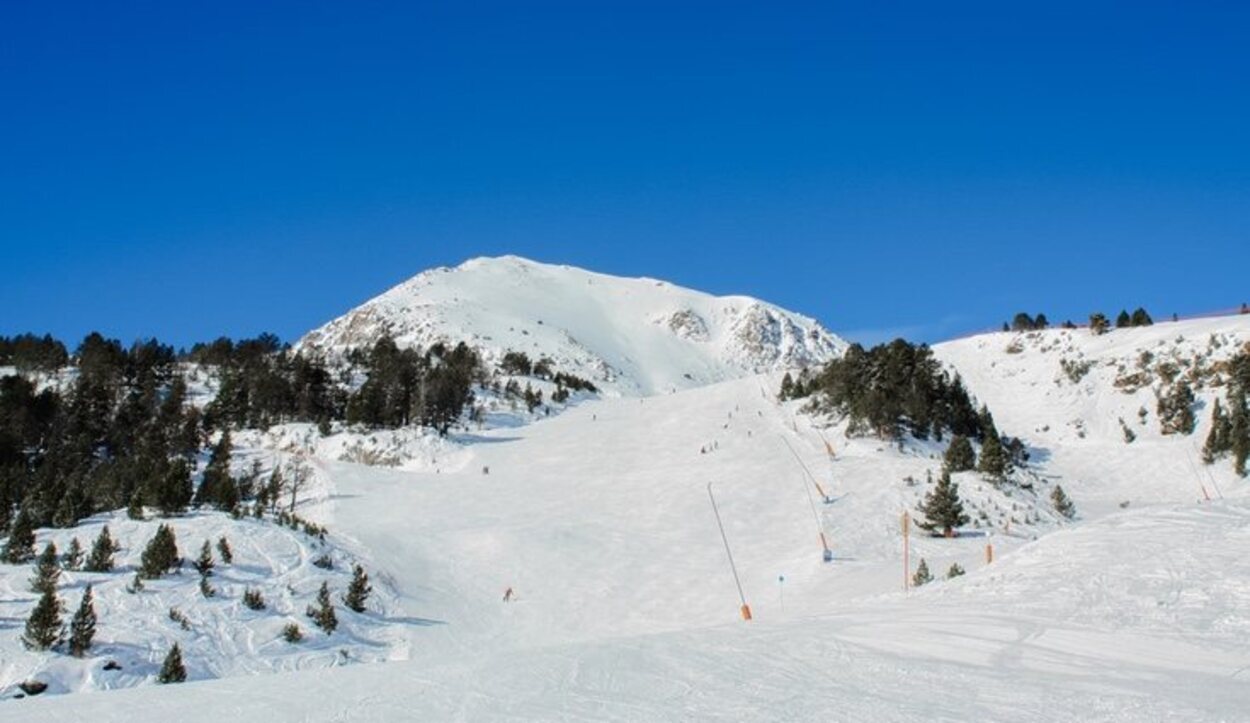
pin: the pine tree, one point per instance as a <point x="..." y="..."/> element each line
<point x="223" y="549"/>
<point x="172" y="670"/>
<point x="101" y="557"/>
<point x="1175" y="410"/>
<point x="1219" y="439"/>
<point x="82" y="626"/>
<point x="1239" y="430"/>
<point x="1098" y="323"/>
<point x="1141" y="318"/>
<point x="960" y="456"/>
<point x="160" y="555"/>
<point x="922" y="576"/>
<point x="47" y="570"/>
<point x="44" y="627"/>
<point x="20" y="546"/>
<point x="217" y="487"/>
<point x="73" y="556"/>
<point x="954" y="571"/>
<point x="322" y="613"/>
<point x="993" y="457"/>
<point x="942" y="508"/>
<point x="358" y="591"/>
<point x="787" y="387"/>
<point x="1063" y="504"/>
<point x="204" y="563"/>
<point x="1123" y="320"/>
<point x="134" y="510"/>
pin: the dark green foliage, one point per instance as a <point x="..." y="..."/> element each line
<point x="30" y="353"/>
<point x="954" y="571"/>
<point x="204" y="563"/>
<point x="206" y="588"/>
<point x="1024" y="322"/>
<point x="253" y="600"/>
<point x="217" y="487"/>
<point x="358" y="591"/>
<point x="942" y="508"/>
<point x="47" y="570"/>
<point x="101" y="557"/>
<point x="922" y="576"/>
<point x="892" y="389"/>
<point x="960" y="456"/>
<point x="223" y="549"/>
<point x="292" y="634"/>
<point x="74" y="555"/>
<point x="20" y="547"/>
<point x="161" y="554"/>
<point x="1141" y="318"/>
<point x="82" y="625"/>
<point x="172" y="670"/>
<point x="787" y="388"/>
<point x="1239" y="429"/>
<point x="995" y="461"/>
<point x="1123" y="320"/>
<point x="516" y="363"/>
<point x="1098" y="323"/>
<point x="1175" y="409"/>
<point x="1220" y="438"/>
<point x="44" y="627"/>
<point x="1062" y="503"/>
<point x="322" y="613"/>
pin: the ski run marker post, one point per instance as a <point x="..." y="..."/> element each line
<point x="745" y="609"/>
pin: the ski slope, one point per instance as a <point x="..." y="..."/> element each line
<point x="599" y="519"/>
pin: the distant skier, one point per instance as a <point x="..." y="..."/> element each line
<point x="507" y="595"/>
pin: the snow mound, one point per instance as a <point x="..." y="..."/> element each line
<point x="631" y="337"/>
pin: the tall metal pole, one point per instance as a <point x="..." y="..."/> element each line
<point x="746" y="610"/>
<point x="906" y="551"/>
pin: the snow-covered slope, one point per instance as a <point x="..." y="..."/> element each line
<point x="1071" y="395"/>
<point x="629" y="336"/>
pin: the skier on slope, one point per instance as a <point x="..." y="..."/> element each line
<point x="507" y="595"/>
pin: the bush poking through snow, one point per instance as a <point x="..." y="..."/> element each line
<point x="922" y="575"/>
<point x="253" y="600"/>
<point x="954" y="571"/>
<point x="322" y="613"/>
<point x="1063" y="504"/>
<point x="177" y="616"/>
<point x="358" y="591"/>
<point x="223" y="549"/>
<point x="292" y="633"/>
<point x="172" y="670"/>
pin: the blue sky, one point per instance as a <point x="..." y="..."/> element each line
<point x="191" y="170"/>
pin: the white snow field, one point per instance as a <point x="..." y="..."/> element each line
<point x="625" y="606"/>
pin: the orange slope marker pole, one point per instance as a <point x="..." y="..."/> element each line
<point x="745" y="610"/>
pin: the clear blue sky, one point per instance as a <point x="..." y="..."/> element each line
<point x="188" y="170"/>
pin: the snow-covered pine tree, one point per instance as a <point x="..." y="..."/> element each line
<point x="954" y="571"/>
<point x="1219" y="439"/>
<point x="223" y="549"/>
<point x="322" y="613"/>
<point x="47" y="570"/>
<point x="172" y="670"/>
<point x="101" y="557"/>
<point x="942" y="508"/>
<point x="204" y="563"/>
<point x="1063" y="504"/>
<point x="358" y="591"/>
<point x="1175" y="409"/>
<point x="960" y="456"/>
<point x="73" y="556"/>
<point x="20" y="547"/>
<point x="922" y="575"/>
<point x="160" y="555"/>
<point x="44" y="627"/>
<point x="82" y="625"/>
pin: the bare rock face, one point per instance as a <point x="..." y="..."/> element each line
<point x="630" y="336"/>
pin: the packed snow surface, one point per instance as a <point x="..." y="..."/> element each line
<point x="628" y="336"/>
<point x="600" y="521"/>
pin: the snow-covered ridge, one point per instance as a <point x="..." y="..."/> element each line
<point x="629" y="336"/>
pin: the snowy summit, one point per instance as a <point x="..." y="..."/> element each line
<point x="631" y="337"/>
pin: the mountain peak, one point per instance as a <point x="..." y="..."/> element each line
<point x="631" y="336"/>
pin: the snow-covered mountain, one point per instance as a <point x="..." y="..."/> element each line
<point x="628" y="336"/>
